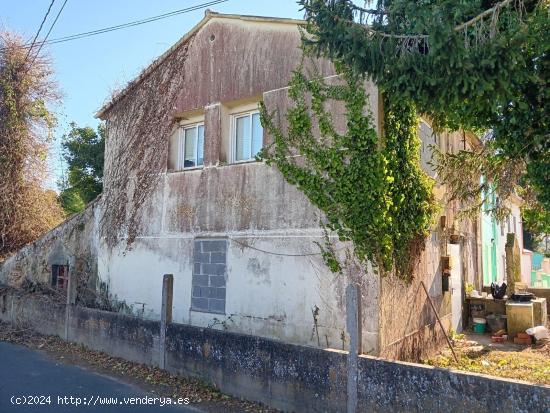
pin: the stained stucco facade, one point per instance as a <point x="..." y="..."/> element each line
<point x="273" y="283"/>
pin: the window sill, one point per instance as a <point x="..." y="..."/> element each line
<point x="245" y="161"/>
<point x="194" y="168"/>
<point x="196" y="310"/>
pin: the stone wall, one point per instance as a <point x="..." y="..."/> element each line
<point x="72" y="243"/>
<point x="32" y="311"/>
<point x="283" y="376"/>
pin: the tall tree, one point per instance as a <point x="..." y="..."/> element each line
<point x="479" y="65"/>
<point x="84" y="153"/>
<point x="26" y="209"/>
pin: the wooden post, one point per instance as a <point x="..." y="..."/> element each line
<point x="165" y="315"/>
<point x="353" y="324"/>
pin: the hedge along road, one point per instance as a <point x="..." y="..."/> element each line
<point x="31" y="382"/>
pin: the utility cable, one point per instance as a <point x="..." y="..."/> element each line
<point x="129" y="24"/>
<point x="280" y="254"/>
<point x="39" y="29"/>
<point x="49" y="31"/>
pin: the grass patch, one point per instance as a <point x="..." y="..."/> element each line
<point x="531" y="364"/>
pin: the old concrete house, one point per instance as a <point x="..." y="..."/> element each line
<point x="184" y="196"/>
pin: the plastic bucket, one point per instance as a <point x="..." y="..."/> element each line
<point x="479" y="328"/>
<point x="479" y="325"/>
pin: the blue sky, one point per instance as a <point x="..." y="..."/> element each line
<point x="88" y="69"/>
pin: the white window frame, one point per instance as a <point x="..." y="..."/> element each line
<point x="181" y="146"/>
<point x="233" y="139"/>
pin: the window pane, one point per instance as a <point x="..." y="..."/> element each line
<point x="200" y="144"/>
<point x="190" y="149"/>
<point x="257" y="134"/>
<point x="242" y="138"/>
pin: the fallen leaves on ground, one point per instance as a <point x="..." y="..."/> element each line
<point x="530" y="363"/>
<point x="156" y="380"/>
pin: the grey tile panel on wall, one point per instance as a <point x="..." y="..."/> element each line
<point x="209" y="275"/>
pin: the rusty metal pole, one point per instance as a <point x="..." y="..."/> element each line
<point x="439" y="320"/>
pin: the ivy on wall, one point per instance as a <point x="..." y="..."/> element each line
<point x="371" y="191"/>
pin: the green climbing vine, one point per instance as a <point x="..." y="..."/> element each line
<point x="371" y="191"/>
<point x="413" y="204"/>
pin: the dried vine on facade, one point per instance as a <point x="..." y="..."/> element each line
<point x="133" y="167"/>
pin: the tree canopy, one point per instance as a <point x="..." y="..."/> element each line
<point x="479" y="65"/>
<point x="83" y="150"/>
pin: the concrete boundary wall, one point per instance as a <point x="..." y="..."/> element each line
<point x="283" y="376"/>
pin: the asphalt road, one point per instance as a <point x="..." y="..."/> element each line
<point x="25" y="372"/>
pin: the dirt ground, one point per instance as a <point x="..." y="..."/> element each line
<point x="476" y="353"/>
<point x="154" y="380"/>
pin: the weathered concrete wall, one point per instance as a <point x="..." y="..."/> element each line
<point x="250" y="205"/>
<point x="284" y="376"/>
<point x="408" y="326"/>
<point x="386" y="386"/>
<point x="267" y="295"/>
<point x="33" y="311"/>
<point x="240" y="58"/>
<point x="73" y="243"/>
<point x="131" y="338"/>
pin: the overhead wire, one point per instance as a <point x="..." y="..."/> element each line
<point x="128" y="24"/>
<point x="281" y="254"/>
<point x="39" y="30"/>
<point x="49" y="31"/>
